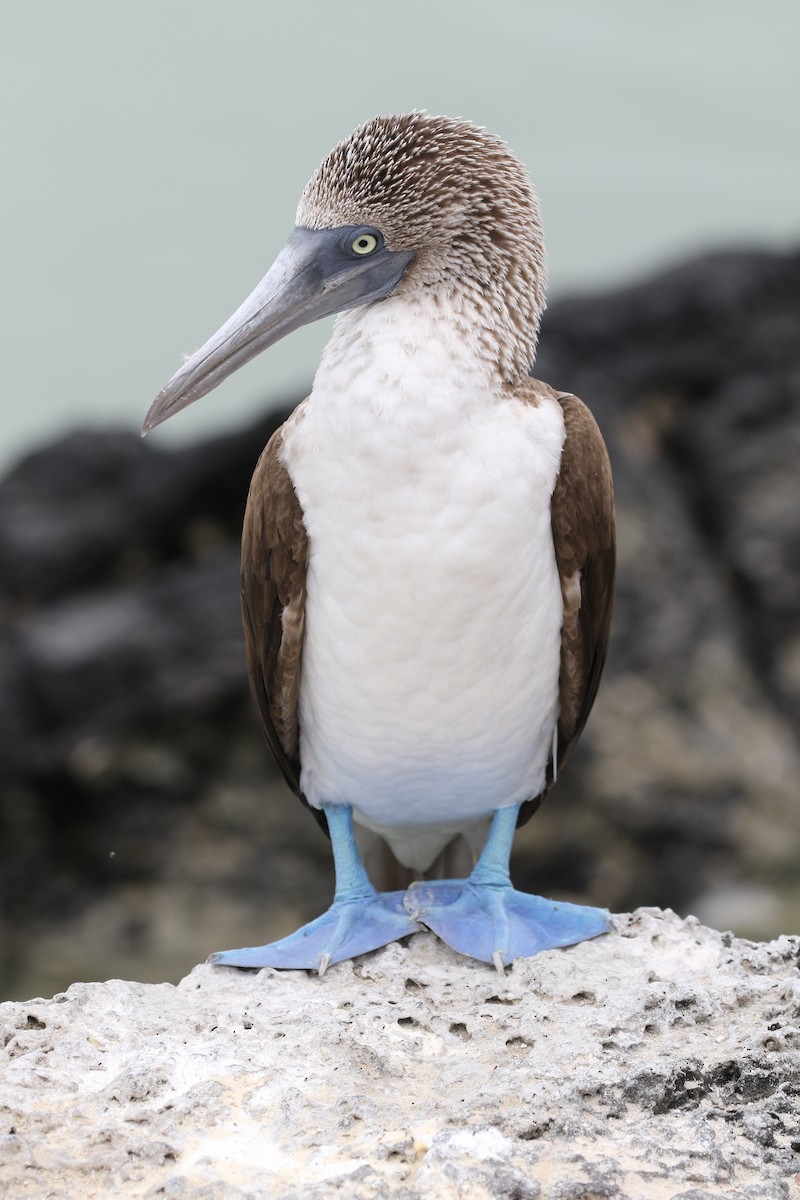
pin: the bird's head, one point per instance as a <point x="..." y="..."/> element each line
<point x="406" y="204"/>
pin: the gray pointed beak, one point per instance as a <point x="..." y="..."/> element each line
<point x="316" y="274"/>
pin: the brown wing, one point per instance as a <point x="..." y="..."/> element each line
<point x="274" y="561"/>
<point x="582" y="520"/>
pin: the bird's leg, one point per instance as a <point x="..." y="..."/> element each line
<point x="488" y="919"/>
<point x="360" y="918"/>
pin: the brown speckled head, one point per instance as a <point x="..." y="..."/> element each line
<point x="459" y="197"/>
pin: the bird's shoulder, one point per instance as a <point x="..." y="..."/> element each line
<point x="273" y="519"/>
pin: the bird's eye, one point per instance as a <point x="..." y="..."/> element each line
<point x="365" y="243"/>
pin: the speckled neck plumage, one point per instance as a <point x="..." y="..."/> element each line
<point x="461" y="199"/>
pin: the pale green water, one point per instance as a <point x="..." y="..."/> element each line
<point x="154" y="152"/>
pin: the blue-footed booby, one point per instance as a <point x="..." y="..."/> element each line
<point x="428" y="545"/>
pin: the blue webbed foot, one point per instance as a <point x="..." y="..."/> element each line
<point x="350" y="926"/>
<point x="495" y="923"/>
<point x="484" y="917"/>
<point x="360" y="918"/>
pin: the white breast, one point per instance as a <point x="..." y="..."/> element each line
<point x="432" y="645"/>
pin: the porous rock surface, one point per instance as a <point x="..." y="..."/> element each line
<point x="660" y="1061"/>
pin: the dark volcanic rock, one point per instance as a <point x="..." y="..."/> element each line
<point x="132" y="768"/>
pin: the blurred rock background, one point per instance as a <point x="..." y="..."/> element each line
<point x="142" y="824"/>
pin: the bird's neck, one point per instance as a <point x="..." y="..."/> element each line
<point x="420" y="350"/>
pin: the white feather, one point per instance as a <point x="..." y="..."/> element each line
<point x="429" y="690"/>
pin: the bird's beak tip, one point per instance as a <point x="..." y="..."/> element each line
<point x="158" y="413"/>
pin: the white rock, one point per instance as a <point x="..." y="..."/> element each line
<point x="658" y="1062"/>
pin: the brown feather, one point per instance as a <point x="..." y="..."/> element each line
<point x="582" y="521"/>
<point x="274" y="563"/>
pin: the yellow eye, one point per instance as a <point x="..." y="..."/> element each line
<point x="365" y="243"/>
